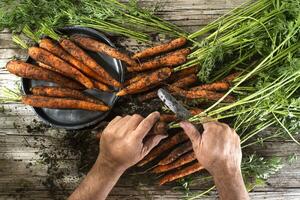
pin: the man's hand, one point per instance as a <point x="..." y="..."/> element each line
<point x="121" y="143"/>
<point x="218" y="150"/>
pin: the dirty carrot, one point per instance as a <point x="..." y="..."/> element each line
<point x="82" y="56"/>
<point x="135" y="78"/>
<point x="165" y="145"/>
<point x="61" y="103"/>
<point x="217" y="86"/>
<point x="52" y="91"/>
<point x="26" y="70"/>
<point x="156" y="50"/>
<point x="180" y="83"/>
<point x="49" y="68"/>
<point x="183" y="73"/>
<point x="153" y="78"/>
<point x="159" y="128"/>
<point x="172" y="117"/>
<point x="168" y="117"/>
<point x="96" y="46"/>
<point x="201" y="94"/>
<point x="172" y="59"/>
<point x="181" y="173"/>
<point x="176" y="153"/>
<point x="58" y="51"/>
<point x="186" y="158"/>
<point x="186" y="81"/>
<point x="231" y="77"/>
<point x="48" y="58"/>
<point x="101" y="86"/>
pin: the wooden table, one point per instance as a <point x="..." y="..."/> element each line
<point x="39" y="162"/>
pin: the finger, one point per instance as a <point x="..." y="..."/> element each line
<point x="114" y="121"/>
<point x="152" y="142"/>
<point x="134" y="121"/>
<point x="190" y="130"/>
<point x="145" y="126"/>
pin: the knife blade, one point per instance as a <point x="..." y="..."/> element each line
<point x="176" y="107"/>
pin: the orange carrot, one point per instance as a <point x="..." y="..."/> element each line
<point x="49" y="68"/>
<point x="172" y="59"/>
<point x="217" y="86"/>
<point x="202" y="94"/>
<point x="61" y="103"/>
<point x="186" y="158"/>
<point x="82" y="56"/>
<point x="58" y="51"/>
<point x="165" y="145"/>
<point x="148" y="96"/>
<point x="153" y="78"/>
<point x="186" y="81"/>
<point x="51" y="91"/>
<point x="183" y="73"/>
<point x="159" y="128"/>
<point x="176" y="153"/>
<point x="181" y="173"/>
<point x="26" y="70"/>
<point x="96" y="46"/>
<point x="168" y="117"/>
<point x="135" y="78"/>
<point x="48" y="58"/>
<point x="174" y="44"/>
<point x="231" y="77"/>
<point x="101" y="86"/>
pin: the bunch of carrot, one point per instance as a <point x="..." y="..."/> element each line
<point x="66" y="64"/>
<point x="151" y="73"/>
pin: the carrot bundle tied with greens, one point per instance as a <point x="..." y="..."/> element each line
<point x="48" y="58"/>
<point x="58" y="51"/>
<point x="185" y="159"/>
<point x="96" y="46"/>
<point x="26" y="70"/>
<point x="176" y="153"/>
<point x="156" y="50"/>
<point x="82" y="56"/>
<point x="165" y="145"/>
<point x="62" y="103"/>
<point x="51" y="91"/>
<point x="181" y="173"/>
<point x="169" y="60"/>
<point x="152" y="79"/>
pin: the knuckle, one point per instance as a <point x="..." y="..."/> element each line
<point x="137" y="116"/>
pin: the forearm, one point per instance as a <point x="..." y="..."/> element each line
<point x="231" y="186"/>
<point x="98" y="182"/>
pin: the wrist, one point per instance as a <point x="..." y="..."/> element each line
<point x="227" y="171"/>
<point x="106" y="166"/>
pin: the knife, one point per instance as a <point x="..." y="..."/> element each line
<point x="176" y="107"/>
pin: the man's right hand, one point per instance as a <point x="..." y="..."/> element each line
<point x="218" y="150"/>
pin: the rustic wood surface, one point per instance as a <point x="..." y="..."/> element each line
<point x="39" y="162"/>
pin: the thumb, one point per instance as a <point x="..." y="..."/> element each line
<point x="152" y="142"/>
<point x="191" y="131"/>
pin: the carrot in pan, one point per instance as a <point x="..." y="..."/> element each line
<point x="49" y="68"/>
<point x="156" y="50"/>
<point x="153" y="78"/>
<point x="26" y="70"/>
<point x="82" y="56"/>
<point x="166" y="144"/>
<point x="172" y="59"/>
<point x="51" y="91"/>
<point x="186" y="158"/>
<point x="96" y="46"/>
<point x="58" y="51"/>
<point x="61" y="103"/>
<point x="101" y="86"/>
<point x="181" y="173"/>
<point x="176" y="153"/>
<point x="48" y="58"/>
